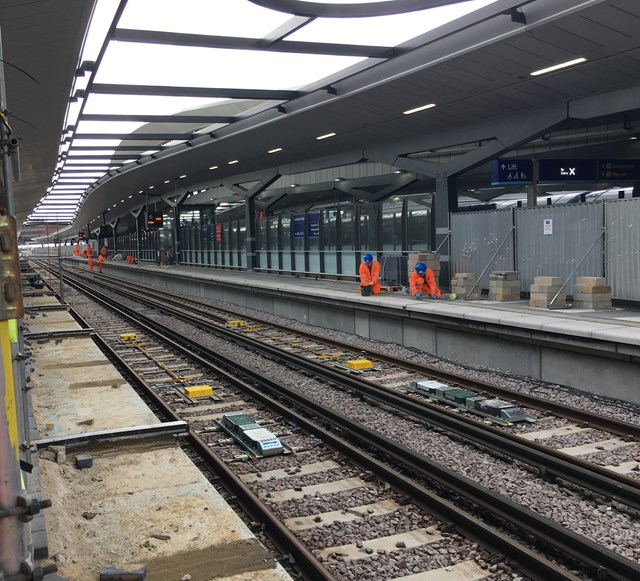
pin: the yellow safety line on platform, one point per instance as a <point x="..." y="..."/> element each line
<point x="9" y="387"/>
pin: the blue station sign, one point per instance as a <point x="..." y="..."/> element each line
<point x="511" y="171"/>
<point x="567" y="170"/>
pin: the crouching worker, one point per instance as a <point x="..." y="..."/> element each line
<point x="423" y="282"/>
<point x="369" y="276"/>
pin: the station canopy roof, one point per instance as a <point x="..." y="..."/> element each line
<point x="155" y="75"/>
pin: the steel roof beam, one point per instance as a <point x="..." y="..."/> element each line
<point x="208" y="92"/>
<point x="228" y="42"/>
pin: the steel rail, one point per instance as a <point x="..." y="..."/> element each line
<point x="551" y="463"/>
<point x="531" y="562"/>
<point x="612" y="425"/>
<point x="579" y="547"/>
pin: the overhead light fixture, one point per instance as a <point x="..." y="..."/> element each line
<point x="166" y="181"/>
<point x="182" y="176"/>
<point x="276" y="150"/>
<point x="122" y="201"/>
<point x="151" y="187"/>
<point x="422" y="108"/>
<point x="233" y="161"/>
<point x="131" y="196"/>
<point x="214" y="167"/>
<point x="325" y="136"/>
<point x="559" y="66"/>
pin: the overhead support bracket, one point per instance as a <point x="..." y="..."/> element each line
<point x="517" y="16"/>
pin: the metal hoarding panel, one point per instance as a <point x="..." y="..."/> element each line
<point x="552" y="240"/>
<point x="622" y="223"/>
<point x="475" y="238"/>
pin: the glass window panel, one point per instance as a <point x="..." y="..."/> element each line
<point x="261" y="231"/>
<point x="419" y="221"/>
<point x="144" y="104"/>
<point x="392" y="224"/>
<point x="384" y="30"/>
<point x="367" y="236"/>
<point x="189" y="66"/>
<point x="274" y="222"/>
<point x="347" y="227"/>
<point x="329" y="229"/>
<point x="285" y="232"/>
<point x="239" y="18"/>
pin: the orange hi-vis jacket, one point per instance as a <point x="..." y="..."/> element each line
<point x="370" y="273"/>
<point x="424" y="285"/>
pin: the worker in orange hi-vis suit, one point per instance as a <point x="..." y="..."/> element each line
<point x="76" y="250"/>
<point x="103" y="251"/>
<point x="85" y="254"/>
<point x="101" y="259"/>
<point x="423" y="281"/>
<point x="91" y="261"/>
<point x="369" y="276"/>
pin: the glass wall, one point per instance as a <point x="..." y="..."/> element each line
<point x="329" y="241"/>
<point x="274" y="242"/>
<point x="392" y="222"/>
<point x="348" y="239"/>
<point x="419" y="222"/>
<point x="328" y="238"/>
<point x="285" y="241"/>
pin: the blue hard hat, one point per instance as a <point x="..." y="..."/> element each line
<point x="421" y="268"/>
<point x="367" y="258"/>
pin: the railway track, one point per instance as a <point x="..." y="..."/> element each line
<point x="328" y="359"/>
<point x="491" y="501"/>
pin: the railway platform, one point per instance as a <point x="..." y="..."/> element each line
<point x="596" y="351"/>
<point x="124" y="495"/>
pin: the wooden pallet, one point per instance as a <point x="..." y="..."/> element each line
<point x="389" y="289"/>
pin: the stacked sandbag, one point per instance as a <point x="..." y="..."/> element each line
<point x="543" y="289"/>
<point x="591" y="292"/>
<point x="463" y="282"/>
<point x="504" y="285"/>
<point x="429" y="258"/>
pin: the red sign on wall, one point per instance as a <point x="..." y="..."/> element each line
<point x="218" y="233"/>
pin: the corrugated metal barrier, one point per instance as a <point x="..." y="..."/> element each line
<point x="552" y="241"/>
<point x="622" y="228"/>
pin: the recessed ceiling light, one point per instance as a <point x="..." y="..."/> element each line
<point x="166" y="181"/>
<point x="325" y="136"/>
<point x="183" y="176"/>
<point x="233" y="161"/>
<point x="122" y="201"/>
<point x="422" y="108"/>
<point x="131" y="196"/>
<point x="556" y="67"/>
<point x="151" y="187"/>
<point x="214" y="167"/>
<point x="276" y="150"/>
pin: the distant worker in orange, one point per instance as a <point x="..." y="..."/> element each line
<point x="91" y="261"/>
<point x="103" y="251"/>
<point x="89" y="250"/>
<point x="76" y="250"/>
<point x="423" y="281"/>
<point x="130" y="259"/>
<point x="369" y="276"/>
<point x="101" y="259"/>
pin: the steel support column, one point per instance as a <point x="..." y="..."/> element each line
<point x="446" y="201"/>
